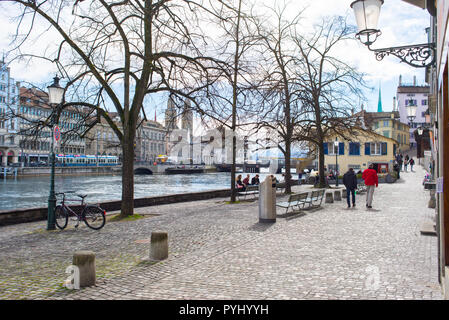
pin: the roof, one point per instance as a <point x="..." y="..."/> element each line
<point x="413" y="89"/>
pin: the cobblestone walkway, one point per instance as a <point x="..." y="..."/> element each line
<point x="220" y="251"/>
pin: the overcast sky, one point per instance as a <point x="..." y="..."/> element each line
<point x="400" y="23"/>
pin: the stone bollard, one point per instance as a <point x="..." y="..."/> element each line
<point x="85" y="261"/>
<point x="344" y="194"/>
<point x="337" y="195"/>
<point x="433" y="200"/>
<point x="329" y="197"/>
<point x="159" y="246"/>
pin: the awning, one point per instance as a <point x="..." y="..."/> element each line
<point x="418" y="3"/>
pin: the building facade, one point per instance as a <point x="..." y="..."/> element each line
<point x="415" y="95"/>
<point x="9" y="105"/>
<point x="34" y="139"/>
<point x="388" y="124"/>
<point x="366" y="148"/>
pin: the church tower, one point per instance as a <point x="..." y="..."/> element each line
<point x="171" y="118"/>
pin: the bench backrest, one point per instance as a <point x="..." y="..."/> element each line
<point x="252" y="188"/>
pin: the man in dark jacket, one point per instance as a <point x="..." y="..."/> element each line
<point x="350" y="182"/>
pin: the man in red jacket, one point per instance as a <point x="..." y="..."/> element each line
<point x="371" y="182"/>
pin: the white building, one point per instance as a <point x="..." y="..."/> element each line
<point x="412" y="94"/>
<point x="9" y="104"/>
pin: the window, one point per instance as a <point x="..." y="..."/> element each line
<point x="424" y="102"/>
<point x="376" y="148"/>
<point x="356" y="167"/>
<point x="332" y="150"/>
<point x="376" y="125"/>
<point x="354" y="148"/>
<point x="386" y="134"/>
<point x="386" y="123"/>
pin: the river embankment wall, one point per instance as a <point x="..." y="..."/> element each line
<point x="37" y="214"/>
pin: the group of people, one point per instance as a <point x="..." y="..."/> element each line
<point x="400" y="161"/>
<point x="371" y="181"/>
<point x="241" y="185"/>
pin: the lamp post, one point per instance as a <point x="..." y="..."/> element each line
<point x="411" y="112"/>
<point x="55" y="95"/>
<point x="367" y="16"/>
<point x="336" y="161"/>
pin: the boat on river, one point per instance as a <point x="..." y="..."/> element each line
<point x="184" y="170"/>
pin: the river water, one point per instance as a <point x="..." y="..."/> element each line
<point x="30" y="192"/>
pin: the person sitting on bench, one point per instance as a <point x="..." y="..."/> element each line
<point x="255" y="180"/>
<point x="239" y="184"/>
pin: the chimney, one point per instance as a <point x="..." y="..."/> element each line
<point x="400" y="80"/>
<point x="394" y="104"/>
<point x="414" y="80"/>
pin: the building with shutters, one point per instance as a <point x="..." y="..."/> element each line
<point x="365" y="148"/>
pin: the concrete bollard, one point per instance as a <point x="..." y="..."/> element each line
<point x="329" y="197"/>
<point x="337" y="195"/>
<point x="159" y="246"/>
<point x="433" y="200"/>
<point x="344" y="193"/>
<point x="85" y="261"/>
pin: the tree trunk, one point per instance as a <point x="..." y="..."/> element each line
<point x="127" y="207"/>
<point x="321" y="166"/>
<point x="288" y="188"/>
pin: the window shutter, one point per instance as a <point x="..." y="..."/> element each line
<point x="325" y="148"/>
<point x="341" y="148"/>
<point x="357" y="149"/>
<point x="384" y="148"/>
<point x="367" y="149"/>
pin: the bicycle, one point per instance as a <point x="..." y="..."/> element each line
<point x="93" y="216"/>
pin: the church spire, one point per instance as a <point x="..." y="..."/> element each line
<point x="379" y="102"/>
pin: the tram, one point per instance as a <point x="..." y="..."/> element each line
<point x="70" y="160"/>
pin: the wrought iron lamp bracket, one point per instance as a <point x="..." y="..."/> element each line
<point x="418" y="56"/>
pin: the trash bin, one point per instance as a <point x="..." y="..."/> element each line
<point x="267" y="200"/>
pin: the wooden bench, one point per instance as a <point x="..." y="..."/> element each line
<point x="280" y="187"/>
<point x="294" y="200"/>
<point x="250" y="190"/>
<point x="316" y="198"/>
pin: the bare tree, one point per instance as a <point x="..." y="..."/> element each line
<point x="115" y="53"/>
<point x="278" y="93"/>
<point x="330" y="89"/>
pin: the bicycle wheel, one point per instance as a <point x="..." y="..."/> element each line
<point x="61" y="217"/>
<point x="94" y="217"/>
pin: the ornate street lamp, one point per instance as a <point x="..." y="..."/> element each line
<point x="55" y="96"/>
<point x="411" y="112"/>
<point x="367" y="16"/>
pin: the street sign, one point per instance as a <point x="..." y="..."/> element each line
<point x="57" y="133"/>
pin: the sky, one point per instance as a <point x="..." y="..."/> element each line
<point x="400" y="23"/>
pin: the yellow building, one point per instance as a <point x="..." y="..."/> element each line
<point x="363" y="149"/>
<point x="388" y="124"/>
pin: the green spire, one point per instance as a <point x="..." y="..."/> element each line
<point x="379" y="102"/>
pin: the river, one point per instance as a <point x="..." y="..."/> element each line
<point x="31" y="192"/>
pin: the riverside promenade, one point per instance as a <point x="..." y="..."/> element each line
<point x="221" y="251"/>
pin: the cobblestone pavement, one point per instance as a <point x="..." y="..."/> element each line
<point x="220" y="251"/>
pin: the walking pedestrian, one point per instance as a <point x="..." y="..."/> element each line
<point x="350" y="182"/>
<point x="300" y="176"/>
<point x="371" y="182"/>
<point x="397" y="168"/>
<point x="405" y="164"/>
<point x="412" y="163"/>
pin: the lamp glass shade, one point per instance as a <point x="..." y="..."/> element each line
<point x="420" y="131"/>
<point x="411" y="111"/>
<point x="367" y="13"/>
<point x="336" y="143"/>
<point x="55" y="92"/>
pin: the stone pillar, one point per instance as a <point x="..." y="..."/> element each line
<point x="329" y="197"/>
<point x="159" y="246"/>
<point x="337" y="195"/>
<point x="85" y="261"/>
<point x="267" y="200"/>
<point x="432" y="201"/>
